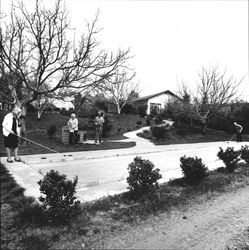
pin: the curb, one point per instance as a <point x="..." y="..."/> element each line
<point x="70" y="157"/>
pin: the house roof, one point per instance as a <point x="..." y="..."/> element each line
<point x="167" y="92"/>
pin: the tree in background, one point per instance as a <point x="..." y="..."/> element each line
<point x="42" y="103"/>
<point x="181" y="110"/>
<point x="36" y="51"/>
<point x="214" y="90"/>
<point x="121" y="89"/>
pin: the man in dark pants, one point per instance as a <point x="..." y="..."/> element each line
<point x="239" y="129"/>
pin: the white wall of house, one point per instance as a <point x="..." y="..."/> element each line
<point x="160" y="100"/>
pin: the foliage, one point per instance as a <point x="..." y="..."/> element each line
<point x="193" y="169"/>
<point x="229" y="157"/>
<point x="142" y="110"/>
<point x="32" y="213"/>
<point x="158" y="119"/>
<point x="244" y="153"/>
<point x="143" y="178"/>
<point x="108" y="124"/>
<point x="159" y="132"/>
<point x="59" y="200"/>
<point x="66" y="112"/>
<point x="148" y="121"/>
<point x="128" y="109"/>
<point x="145" y="134"/>
<point x="221" y="121"/>
<point x="35" y="241"/>
<point x="52" y="131"/>
<point x="139" y="123"/>
<point x="100" y="105"/>
<point x="179" y="111"/>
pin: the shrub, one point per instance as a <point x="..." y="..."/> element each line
<point x="193" y="169"/>
<point x="139" y="123"/>
<point x="142" y="110"/>
<point x="128" y="109"/>
<point x="229" y="157"/>
<point x="158" y="119"/>
<point x="36" y="241"/>
<point x="145" y="134"/>
<point x="143" y="178"/>
<point x="108" y="124"/>
<point x="59" y="200"/>
<point x="244" y="151"/>
<point x="68" y="112"/>
<point x="51" y="131"/>
<point x="148" y="121"/>
<point x="159" y="132"/>
<point x="32" y="213"/>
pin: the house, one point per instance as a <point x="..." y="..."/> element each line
<point x="155" y="102"/>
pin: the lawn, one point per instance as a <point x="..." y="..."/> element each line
<point x="22" y="225"/>
<point x="37" y="131"/>
<point x="179" y="134"/>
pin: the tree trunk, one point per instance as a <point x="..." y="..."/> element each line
<point x="23" y="128"/>
<point x="39" y="113"/>
<point x="118" y="109"/>
<point x="204" y="128"/>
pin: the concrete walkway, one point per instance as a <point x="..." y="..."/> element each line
<point x="104" y="172"/>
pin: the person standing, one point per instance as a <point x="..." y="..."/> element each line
<point x="99" y="122"/>
<point x="73" y="129"/>
<point x="11" y="131"/>
<point x="239" y="129"/>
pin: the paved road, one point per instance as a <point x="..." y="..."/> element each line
<point x="104" y="172"/>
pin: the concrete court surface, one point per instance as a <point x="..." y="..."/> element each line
<point x="101" y="173"/>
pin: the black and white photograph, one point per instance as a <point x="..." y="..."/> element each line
<point x="124" y="124"/>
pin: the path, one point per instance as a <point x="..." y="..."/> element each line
<point x="104" y="172"/>
<point x="210" y="225"/>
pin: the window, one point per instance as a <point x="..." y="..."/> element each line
<point x="155" y="108"/>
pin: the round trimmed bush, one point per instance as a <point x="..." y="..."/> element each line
<point x="159" y="132"/>
<point x="193" y="169"/>
<point x="59" y="198"/>
<point x="143" y="178"/>
<point x="230" y="157"/>
<point x="244" y="151"/>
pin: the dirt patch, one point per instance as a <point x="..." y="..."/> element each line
<point x="209" y="225"/>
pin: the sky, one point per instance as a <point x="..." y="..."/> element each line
<point x="170" y="40"/>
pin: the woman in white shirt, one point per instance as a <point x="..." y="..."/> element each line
<point x="11" y="129"/>
<point x="73" y="129"/>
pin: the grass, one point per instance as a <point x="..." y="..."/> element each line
<point x="55" y="144"/>
<point x="37" y="131"/>
<point x="23" y="224"/>
<point x="180" y="134"/>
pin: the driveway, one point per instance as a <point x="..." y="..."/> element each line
<point x="101" y="173"/>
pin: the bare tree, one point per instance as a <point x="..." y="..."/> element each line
<point x="121" y="89"/>
<point x="214" y="90"/>
<point x="35" y="50"/>
<point x="42" y="103"/>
